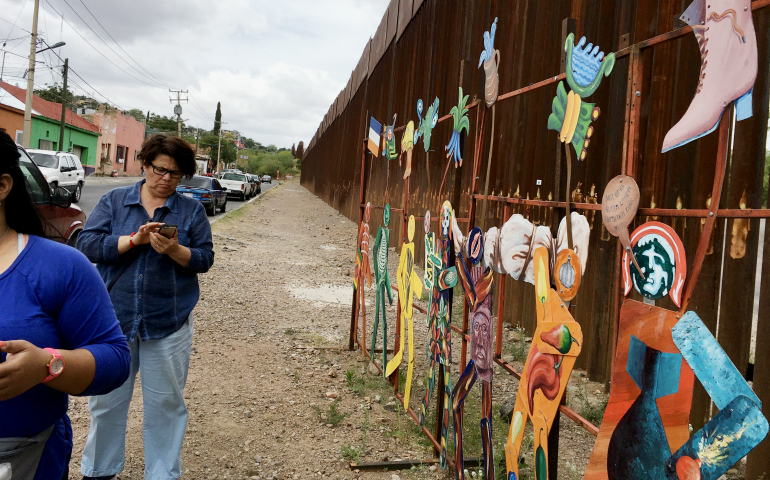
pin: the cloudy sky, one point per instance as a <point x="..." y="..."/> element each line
<point x="276" y="66"/>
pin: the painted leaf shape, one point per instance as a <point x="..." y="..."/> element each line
<point x="541" y="464"/>
<point x="541" y="282"/>
<point x="560" y="338"/>
<point x="688" y="468"/>
<point x="517" y="424"/>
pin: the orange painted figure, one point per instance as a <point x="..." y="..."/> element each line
<point x="555" y="346"/>
<point x="363" y="271"/>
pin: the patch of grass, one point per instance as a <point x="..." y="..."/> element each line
<point x="291" y="331"/>
<point x="593" y="412"/>
<point x="520" y="349"/>
<point x="351" y="453"/>
<point x="333" y="416"/>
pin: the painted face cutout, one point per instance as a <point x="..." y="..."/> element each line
<point x="410" y="229"/>
<point x="427" y="222"/>
<point x="386" y="215"/>
<point x="475" y="245"/>
<point x="446" y="219"/>
<point x="481" y="342"/>
<point x="661" y="257"/>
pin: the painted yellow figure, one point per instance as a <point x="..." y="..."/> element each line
<point x="409" y="284"/>
<point x="555" y="347"/>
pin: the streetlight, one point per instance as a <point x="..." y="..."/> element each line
<point x="55" y="45"/>
<point x="27" y="137"/>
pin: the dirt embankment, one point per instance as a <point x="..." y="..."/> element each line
<point x="272" y="391"/>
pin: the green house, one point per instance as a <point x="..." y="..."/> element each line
<point x="81" y="137"/>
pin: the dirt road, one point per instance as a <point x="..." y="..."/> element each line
<point x="272" y="391"/>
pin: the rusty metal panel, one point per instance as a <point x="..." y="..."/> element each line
<point x="378" y="44"/>
<point x="362" y="69"/>
<point x="404" y="17"/>
<point x="392" y="21"/>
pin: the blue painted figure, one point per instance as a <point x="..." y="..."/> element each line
<point x="638" y="448"/>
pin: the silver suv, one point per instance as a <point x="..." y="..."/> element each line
<point x="61" y="169"/>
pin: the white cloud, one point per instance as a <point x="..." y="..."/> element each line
<point x="276" y="66"/>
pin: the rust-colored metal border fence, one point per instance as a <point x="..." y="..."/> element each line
<point x="424" y="50"/>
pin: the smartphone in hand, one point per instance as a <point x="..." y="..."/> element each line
<point x="167" y="231"/>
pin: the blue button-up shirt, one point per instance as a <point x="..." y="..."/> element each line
<point x="155" y="295"/>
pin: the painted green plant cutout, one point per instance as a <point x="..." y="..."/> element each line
<point x="426" y="123"/>
<point x="461" y="122"/>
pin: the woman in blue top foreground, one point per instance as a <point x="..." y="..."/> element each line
<point x="155" y="288"/>
<point x="58" y="334"/>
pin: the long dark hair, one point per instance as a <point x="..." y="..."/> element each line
<point x="20" y="213"/>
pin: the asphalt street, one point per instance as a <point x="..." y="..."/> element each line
<point x="96" y="187"/>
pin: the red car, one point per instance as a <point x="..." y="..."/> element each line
<point x="62" y="221"/>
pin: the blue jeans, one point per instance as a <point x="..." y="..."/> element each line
<point x="163" y="364"/>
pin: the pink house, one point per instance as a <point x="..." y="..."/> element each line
<point x="120" y="142"/>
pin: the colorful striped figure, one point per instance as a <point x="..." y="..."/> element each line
<point x="382" y="284"/>
<point x="439" y="318"/>
<point x="477" y="286"/>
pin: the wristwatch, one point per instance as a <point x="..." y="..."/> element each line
<point x="55" y="366"/>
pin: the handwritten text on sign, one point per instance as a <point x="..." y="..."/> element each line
<point x="619" y="204"/>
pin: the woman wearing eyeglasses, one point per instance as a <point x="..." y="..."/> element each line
<point x="153" y="284"/>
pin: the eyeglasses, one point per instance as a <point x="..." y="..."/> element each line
<point x="160" y="171"/>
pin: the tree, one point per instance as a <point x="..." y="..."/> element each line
<point x="218" y="119"/>
<point x="55" y="93"/>
<point x="137" y="114"/>
<point x="272" y="149"/>
<point x="163" y="123"/>
<point x="300" y="150"/>
<point x="249" y="143"/>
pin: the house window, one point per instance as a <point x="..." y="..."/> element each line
<point x="19" y="136"/>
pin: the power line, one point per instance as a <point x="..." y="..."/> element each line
<point x="97" y="50"/>
<point x="111" y="49"/>
<point x="14" y="26"/>
<point x="17" y="19"/>
<point x="118" y="45"/>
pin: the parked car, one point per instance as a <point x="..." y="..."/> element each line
<point x="206" y="190"/>
<point x="61" y="169"/>
<point x="255" y="185"/>
<point x="267" y="179"/>
<point x="62" y="221"/>
<point x="237" y="185"/>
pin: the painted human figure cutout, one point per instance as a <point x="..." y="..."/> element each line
<point x="477" y="286"/>
<point x="409" y="285"/>
<point x="382" y="283"/>
<point x="439" y="318"/>
<point x="390" y="141"/>
<point x="363" y="271"/>
<point x="556" y="344"/>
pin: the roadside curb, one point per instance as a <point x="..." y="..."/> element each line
<point x="212" y="222"/>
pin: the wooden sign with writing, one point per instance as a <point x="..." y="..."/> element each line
<point x="619" y="206"/>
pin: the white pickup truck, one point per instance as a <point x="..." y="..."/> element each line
<point x="236" y="184"/>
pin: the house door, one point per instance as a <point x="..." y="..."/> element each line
<point x="45" y="144"/>
<point x="78" y="151"/>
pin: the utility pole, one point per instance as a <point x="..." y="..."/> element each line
<point x="219" y="147"/>
<point x="2" y="68"/>
<point x="27" y="138"/>
<point x="63" y="107"/>
<point x="178" y="108"/>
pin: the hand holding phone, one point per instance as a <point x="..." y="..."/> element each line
<point x="167" y="230"/>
